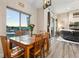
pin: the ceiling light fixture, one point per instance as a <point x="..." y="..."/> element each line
<point x="20" y="4"/>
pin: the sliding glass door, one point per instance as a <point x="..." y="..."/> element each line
<point x="16" y="20"/>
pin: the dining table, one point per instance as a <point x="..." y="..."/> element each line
<point x="25" y="41"/>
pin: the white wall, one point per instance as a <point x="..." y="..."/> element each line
<point x="45" y="19"/>
<point x="14" y="4"/>
<point x="63" y="21"/>
<point x="2" y="18"/>
<point x="40" y="19"/>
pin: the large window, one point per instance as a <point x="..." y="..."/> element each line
<point x="16" y="20"/>
<point x="24" y="21"/>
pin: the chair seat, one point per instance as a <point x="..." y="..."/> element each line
<point x="16" y="51"/>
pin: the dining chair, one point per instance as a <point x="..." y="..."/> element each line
<point x="20" y="32"/>
<point x="42" y="44"/>
<point x="36" y="51"/>
<point x="15" y="52"/>
<point x="46" y="43"/>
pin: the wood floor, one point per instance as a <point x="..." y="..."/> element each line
<point x="59" y="49"/>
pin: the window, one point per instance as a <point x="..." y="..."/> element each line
<point x="16" y="20"/>
<point x="12" y="18"/>
<point x="24" y="21"/>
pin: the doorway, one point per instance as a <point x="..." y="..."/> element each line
<point x="53" y="27"/>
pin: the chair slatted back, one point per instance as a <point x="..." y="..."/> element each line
<point x="47" y="39"/>
<point x="6" y="46"/>
<point x="37" y="44"/>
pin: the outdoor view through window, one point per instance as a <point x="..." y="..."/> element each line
<point x="16" y="20"/>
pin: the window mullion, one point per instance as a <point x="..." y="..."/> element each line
<point x="20" y="20"/>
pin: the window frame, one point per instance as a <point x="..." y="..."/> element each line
<point x="20" y="12"/>
<point x="20" y="17"/>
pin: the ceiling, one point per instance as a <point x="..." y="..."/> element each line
<point x="36" y="3"/>
<point x="60" y="6"/>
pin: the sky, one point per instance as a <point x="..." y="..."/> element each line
<point x="13" y="18"/>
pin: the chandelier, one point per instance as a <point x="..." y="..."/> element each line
<point x="46" y="3"/>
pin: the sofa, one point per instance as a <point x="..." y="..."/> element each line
<point x="70" y="35"/>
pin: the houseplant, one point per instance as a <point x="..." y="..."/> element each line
<point x="31" y="27"/>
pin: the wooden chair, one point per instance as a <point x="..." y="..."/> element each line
<point x="38" y="45"/>
<point x="20" y="32"/>
<point x="10" y="53"/>
<point x="46" y="44"/>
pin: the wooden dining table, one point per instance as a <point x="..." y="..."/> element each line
<point x="26" y="42"/>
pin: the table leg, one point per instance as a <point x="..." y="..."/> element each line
<point x="26" y="53"/>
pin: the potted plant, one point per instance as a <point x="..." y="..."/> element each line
<point x="31" y="27"/>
